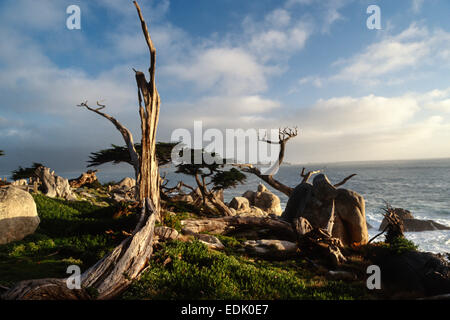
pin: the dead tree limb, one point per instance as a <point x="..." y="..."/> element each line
<point x="284" y="135"/>
<point x="126" y="134"/>
<point x="344" y="181"/>
<point x="308" y="175"/>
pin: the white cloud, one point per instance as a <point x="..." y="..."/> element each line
<point x="34" y="15"/>
<point x="356" y="115"/>
<point x="372" y="127"/>
<point x="417" y="5"/>
<point x="410" y="50"/>
<point x="279" y="18"/>
<point x="275" y="43"/>
<point x="230" y="70"/>
<point x="330" y="10"/>
<point x="314" y="80"/>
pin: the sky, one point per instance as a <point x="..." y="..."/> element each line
<point x="355" y="94"/>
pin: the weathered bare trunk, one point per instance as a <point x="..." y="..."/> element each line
<point x="226" y="225"/>
<point x="111" y="275"/>
<point x="85" y="178"/>
<point x="215" y="201"/>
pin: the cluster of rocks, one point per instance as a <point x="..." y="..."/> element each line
<point x="260" y="203"/>
<point x="411" y="224"/>
<point x="125" y="190"/>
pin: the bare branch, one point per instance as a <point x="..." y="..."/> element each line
<point x="126" y="134"/>
<point x="344" y="181"/>
<point x="307" y="175"/>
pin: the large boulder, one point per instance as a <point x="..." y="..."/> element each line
<point x="267" y="201"/>
<point x="250" y="196"/>
<point x="18" y="214"/>
<point x="350" y="224"/>
<point x="320" y="201"/>
<point x="410" y="224"/>
<point x="264" y="199"/>
<point x="127" y="183"/>
<point x="239" y="204"/>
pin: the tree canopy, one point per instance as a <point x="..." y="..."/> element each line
<point x="210" y="176"/>
<point x="25" y="173"/>
<point x="117" y="154"/>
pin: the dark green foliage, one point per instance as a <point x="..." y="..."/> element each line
<point x="25" y="173"/>
<point x="174" y="220"/>
<point x="191" y="271"/>
<point x="211" y="172"/>
<point x="94" y="185"/>
<point x="117" y="154"/>
<point x="2" y="153"/>
<point x="401" y="245"/>
<point x="228" y="179"/>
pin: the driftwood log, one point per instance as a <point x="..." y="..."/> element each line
<point x="112" y="274"/>
<point x="226" y="225"/>
<point x="84" y="179"/>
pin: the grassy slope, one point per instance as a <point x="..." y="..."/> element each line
<point x="76" y="233"/>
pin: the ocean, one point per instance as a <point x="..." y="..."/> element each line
<point x="421" y="186"/>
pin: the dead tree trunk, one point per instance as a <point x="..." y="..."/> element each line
<point x="208" y="195"/>
<point x="111" y="275"/>
<point x="225" y="225"/>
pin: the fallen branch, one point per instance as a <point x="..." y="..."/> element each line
<point x="283" y="230"/>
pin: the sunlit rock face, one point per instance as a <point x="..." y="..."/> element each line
<point x="18" y="214"/>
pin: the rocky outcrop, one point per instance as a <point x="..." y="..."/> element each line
<point x="267" y="201"/>
<point x="340" y="211"/>
<point x="210" y="241"/>
<point x="263" y="199"/>
<point x="410" y="224"/>
<point x="54" y="186"/>
<point x="20" y="182"/>
<point x="350" y="225"/>
<point x="124" y="191"/>
<point x="127" y="183"/>
<point x="240" y="204"/>
<point x="271" y="249"/>
<point x="165" y="233"/>
<point x="18" y="214"/>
